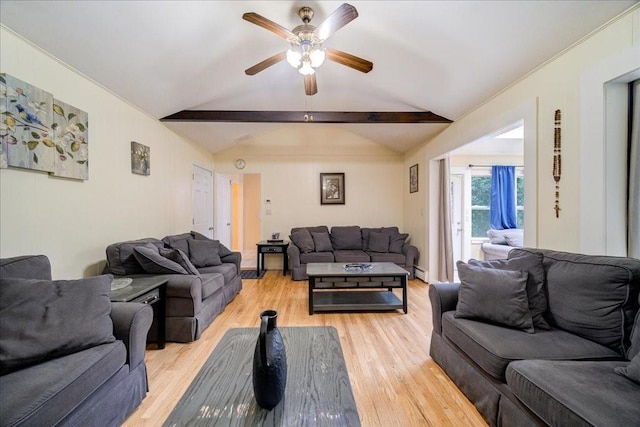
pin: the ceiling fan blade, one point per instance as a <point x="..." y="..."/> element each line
<point x="348" y="60"/>
<point x="265" y="64"/>
<point x="338" y="19"/>
<point x="310" y="85"/>
<point x="267" y="24"/>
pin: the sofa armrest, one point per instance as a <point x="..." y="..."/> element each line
<point x="294" y="255"/>
<point x="411" y="254"/>
<point x="233" y="258"/>
<point x="443" y="297"/>
<point x="185" y="286"/>
<point x="131" y="323"/>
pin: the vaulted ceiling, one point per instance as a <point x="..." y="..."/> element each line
<point x="446" y="57"/>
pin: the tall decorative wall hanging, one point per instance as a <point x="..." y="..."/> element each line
<point x="39" y="132"/>
<point x="557" y="159"/>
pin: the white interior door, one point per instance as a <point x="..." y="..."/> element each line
<point x="223" y="210"/>
<point x="202" y="199"/>
<point x="457" y="223"/>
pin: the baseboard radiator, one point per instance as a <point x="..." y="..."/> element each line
<point x="420" y="273"/>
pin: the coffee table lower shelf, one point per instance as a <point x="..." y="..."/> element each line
<point x="355" y="301"/>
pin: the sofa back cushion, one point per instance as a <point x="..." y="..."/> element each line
<point x="346" y="238"/>
<point x="595" y="297"/>
<point x="44" y="319"/>
<point x="121" y="260"/>
<point x="378" y="241"/>
<point x="26" y="267"/>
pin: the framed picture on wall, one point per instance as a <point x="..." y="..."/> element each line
<point x="413" y="178"/>
<point x="140" y="159"/>
<point x="332" y="188"/>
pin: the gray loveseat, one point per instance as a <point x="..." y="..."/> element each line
<point x="543" y="338"/>
<point x="347" y="244"/>
<point x="68" y="356"/>
<point x="204" y="276"/>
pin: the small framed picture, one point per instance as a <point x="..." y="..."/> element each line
<point x="413" y="178"/>
<point x="332" y="188"/>
<point x="140" y="159"/>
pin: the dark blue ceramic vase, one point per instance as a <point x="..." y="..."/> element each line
<point x="269" y="363"/>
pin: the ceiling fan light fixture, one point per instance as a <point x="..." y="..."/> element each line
<point x="317" y="57"/>
<point x="294" y="58"/>
<point x="306" y="69"/>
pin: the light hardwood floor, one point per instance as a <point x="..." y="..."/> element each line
<point x="395" y="382"/>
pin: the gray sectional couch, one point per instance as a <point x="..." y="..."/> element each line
<point x="204" y="276"/>
<point x="543" y="338"/>
<point x="68" y="356"/>
<point x="347" y="244"/>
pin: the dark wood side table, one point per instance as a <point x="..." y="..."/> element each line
<point x="272" y="247"/>
<point x="147" y="290"/>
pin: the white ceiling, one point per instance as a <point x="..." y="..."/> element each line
<point x="441" y="56"/>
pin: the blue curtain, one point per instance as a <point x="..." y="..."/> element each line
<point x="503" y="197"/>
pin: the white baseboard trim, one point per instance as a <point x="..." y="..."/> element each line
<point x="420" y="273"/>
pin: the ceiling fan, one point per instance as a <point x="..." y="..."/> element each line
<point x="306" y="52"/>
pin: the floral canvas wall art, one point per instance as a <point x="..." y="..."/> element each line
<point x="25" y="128"/>
<point x="70" y="131"/>
<point x="41" y="133"/>
<point x="140" y="159"/>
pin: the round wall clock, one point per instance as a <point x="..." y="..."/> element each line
<point x="240" y="164"/>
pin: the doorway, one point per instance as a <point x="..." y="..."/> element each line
<point x="469" y="177"/>
<point x="202" y="201"/>
<point x="237" y="214"/>
<point x="457" y="219"/>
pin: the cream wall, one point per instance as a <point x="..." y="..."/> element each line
<point x="559" y="84"/>
<point x="290" y="160"/>
<point x="71" y="221"/>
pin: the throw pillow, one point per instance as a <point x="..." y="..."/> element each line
<point x="152" y="262"/>
<point x="204" y="253"/>
<point x="179" y="257"/>
<point x="44" y="319"/>
<point x="532" y="263"/>
<point x="223" y="251"/>
<point x="396" y="242"/>
<point x="120" y="258"/>
<point x="516" y="240"/>
<point x="496" y="296"/>
<point x="496" y="237"/>
<point x="378" y="242"/>
<point x="322" y="242"/>
<point x="303" y="240"/>
<point x="632" y="370"/>
<point x="178" y="241"/>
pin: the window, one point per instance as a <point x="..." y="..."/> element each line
<point x="481" y="201"/>
<point x="520" y="200"/>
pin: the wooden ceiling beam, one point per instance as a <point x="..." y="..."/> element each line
<point x="305" y="116"/>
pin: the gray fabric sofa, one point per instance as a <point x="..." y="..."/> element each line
<point x="205" y="280"/>
<point x="68" y="356"/>
<point x="574" y="367"/>
<point x="347" y="244"/>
